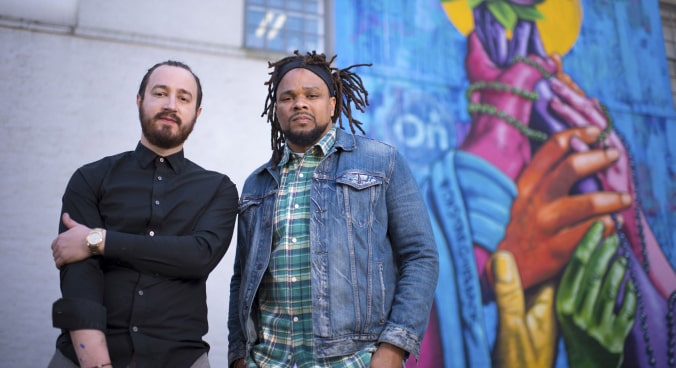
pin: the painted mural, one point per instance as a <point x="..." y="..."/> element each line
<point x="543" y="135"/>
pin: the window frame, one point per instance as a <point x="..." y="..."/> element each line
<point x="282" y="26"/>
<point x="668" y="18"/>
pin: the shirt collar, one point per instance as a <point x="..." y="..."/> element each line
<point x="146" y="157"/>
<point x="324" y="145"/>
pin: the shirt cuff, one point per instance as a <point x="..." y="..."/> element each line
<point x="78" y="314"/>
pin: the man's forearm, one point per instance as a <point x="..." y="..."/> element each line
<point x="91" y="348"/>
<point x="388" y="355"/>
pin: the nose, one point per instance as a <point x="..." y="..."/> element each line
<point x="300" y="103"/>
<point x="170" y="102"/>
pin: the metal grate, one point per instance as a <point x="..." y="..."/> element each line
<point x="285" y="25"/>
<point x="668" y="13"/>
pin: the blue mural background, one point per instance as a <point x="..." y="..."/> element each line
<point x="417" y="85"/>
<point x="417" y="93"/>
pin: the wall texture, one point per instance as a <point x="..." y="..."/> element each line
<point x="69" y="73"/>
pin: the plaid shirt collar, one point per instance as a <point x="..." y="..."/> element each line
<point x="324" y="144"/>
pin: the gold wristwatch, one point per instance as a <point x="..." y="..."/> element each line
<point x="94" y="240"/>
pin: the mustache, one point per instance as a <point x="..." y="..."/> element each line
<point x="168" y="115"/>
<point x="295" y="115"/>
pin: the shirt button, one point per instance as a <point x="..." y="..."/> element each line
<point x="295" y="319"/>
<point x="151" y="233"/>
<point x="140" y="292"/>
<point x="293" y="240"/>
<point x="161" y="159"/>
<point x="157" y="203"/>
<point x="293" y="279"/>
<point x="159" y="178"/>
<point x="135" y="329"/>
<point x="296" y="206"/>
<point x="301" y="175"/>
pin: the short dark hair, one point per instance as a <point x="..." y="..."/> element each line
<point x="144" y="81"/>
<point x="346" y="84"/>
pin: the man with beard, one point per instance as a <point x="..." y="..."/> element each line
<point x="336" y="262"/>
<point x="140" y="232"/>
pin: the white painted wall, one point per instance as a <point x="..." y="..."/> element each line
<point x="68" y="80"/>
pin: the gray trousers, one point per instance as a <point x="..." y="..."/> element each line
<point x="60" y="361"/>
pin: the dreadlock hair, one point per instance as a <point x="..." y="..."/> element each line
<point x="346" y="84"/>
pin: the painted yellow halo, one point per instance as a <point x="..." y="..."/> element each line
<point x="558" y="30"/>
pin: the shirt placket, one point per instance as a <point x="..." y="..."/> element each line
<point x="290" y="269"/>
<point x="301" y="334"/>
<point x="142" y="294"/>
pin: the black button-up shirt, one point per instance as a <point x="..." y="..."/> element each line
<point x="169" y="222"/>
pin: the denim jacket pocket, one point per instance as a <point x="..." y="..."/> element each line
<point x="359" y="180"/>
<point x="358" y="193"/>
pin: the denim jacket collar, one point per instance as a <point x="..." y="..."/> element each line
<point x="344" y="141"/>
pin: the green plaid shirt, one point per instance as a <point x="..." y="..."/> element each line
<point x="285" y="295"/>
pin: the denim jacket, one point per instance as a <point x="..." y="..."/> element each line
<point x="374" y="258"/>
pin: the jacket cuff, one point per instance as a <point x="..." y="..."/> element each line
<point x="401" y="338"/>
<point x="78" y="314"/>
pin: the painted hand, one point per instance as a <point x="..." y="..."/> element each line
<point x="546" y="222"/>
<point x="580" y="111"/>
<point x="526" y="324"/>
<point x="492" y="137"/>
<point x="585" y="302"/>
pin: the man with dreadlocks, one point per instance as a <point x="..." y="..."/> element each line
<point x="336" y="262"/>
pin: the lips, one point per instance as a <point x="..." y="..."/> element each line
<point x="302" y="117"/>
<point x="168" y="118"/>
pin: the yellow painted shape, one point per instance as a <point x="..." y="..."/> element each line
<point x="558" y="30"/>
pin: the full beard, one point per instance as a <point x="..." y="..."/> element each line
<point x="161" y="135"/>
<point x="305" y="138"/>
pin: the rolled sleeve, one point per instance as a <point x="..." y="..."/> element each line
<point x="78" y="314"/>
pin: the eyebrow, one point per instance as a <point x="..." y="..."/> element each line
<point x="307" y="88"/>
<point x="180" y="90"/>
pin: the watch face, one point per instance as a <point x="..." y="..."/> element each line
<point x="94" y="238"/>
